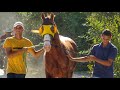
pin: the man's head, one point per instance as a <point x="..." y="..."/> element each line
<point x="18" y="24"/>
<point x="18" y="27"/>
<point x="106" y="36"/>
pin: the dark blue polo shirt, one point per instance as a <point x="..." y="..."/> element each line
<point x="103" y="53"/>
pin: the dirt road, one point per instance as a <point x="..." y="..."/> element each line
<point x="35" y="69"/>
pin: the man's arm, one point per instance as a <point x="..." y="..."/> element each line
<point x="111" y="57"/>
<point x="35" y="53"/>
<point x="103" y="62"/>
<point x="11" y="53"/>
<point x="79" y="59"/>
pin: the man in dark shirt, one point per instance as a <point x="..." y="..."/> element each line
<point x="103" y="54"/>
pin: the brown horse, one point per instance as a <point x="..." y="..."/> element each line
<point x="57" y="64"/>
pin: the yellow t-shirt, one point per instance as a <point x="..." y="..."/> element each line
<point x="17" y="64"/>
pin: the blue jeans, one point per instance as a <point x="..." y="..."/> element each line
<point x="13" y="75"/>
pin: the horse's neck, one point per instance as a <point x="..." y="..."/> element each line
<point x="58" y="45"/>
<point x="56" y="40"/>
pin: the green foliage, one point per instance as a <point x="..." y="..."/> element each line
<point x="98" y="21"/>
<point x="73" y="25"/>
<point x="117" y="67"/>
<point x="70" y="24"/>
<point x="83" y="27"/>
<point x="83" y="66"/>
<point x="31" y="20"/>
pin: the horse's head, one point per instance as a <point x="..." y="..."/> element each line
<point x="47" y="30"/>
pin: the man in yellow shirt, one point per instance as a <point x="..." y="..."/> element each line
<point x="16" y="49"/>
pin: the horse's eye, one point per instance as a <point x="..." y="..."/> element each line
<point x="52" y="28"/>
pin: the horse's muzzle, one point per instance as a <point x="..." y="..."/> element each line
<point x="47" y="46"/>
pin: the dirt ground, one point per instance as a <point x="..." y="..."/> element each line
<point x="35" y="69"/>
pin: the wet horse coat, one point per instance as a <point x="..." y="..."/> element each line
<point x="57" y="64"/>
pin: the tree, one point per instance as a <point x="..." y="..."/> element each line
<point x="99" y="21"/>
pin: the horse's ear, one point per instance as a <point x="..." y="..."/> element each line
<point x="52" y="16"/>
<point x="43" y="16"/>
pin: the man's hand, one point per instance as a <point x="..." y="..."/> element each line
<point x="92" y="57"/>
<point x="24" y="49"/>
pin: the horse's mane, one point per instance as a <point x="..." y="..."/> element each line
<point x="68" y="42"/>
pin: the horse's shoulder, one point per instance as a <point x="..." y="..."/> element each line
<point x="64" y="40"/>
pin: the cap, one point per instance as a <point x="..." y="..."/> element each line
<point x="18" y="23"/>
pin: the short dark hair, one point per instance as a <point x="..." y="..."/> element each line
<point x="107" y="32"/>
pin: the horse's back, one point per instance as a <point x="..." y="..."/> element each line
<point x="69" y="44"/>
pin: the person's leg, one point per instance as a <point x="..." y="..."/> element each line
<point x="10" y="75"/>
<point x="20" y="75"/>
<point x="1" y="64"/>
<point x="5" y="64"/>
<point x="95" y="76"/>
